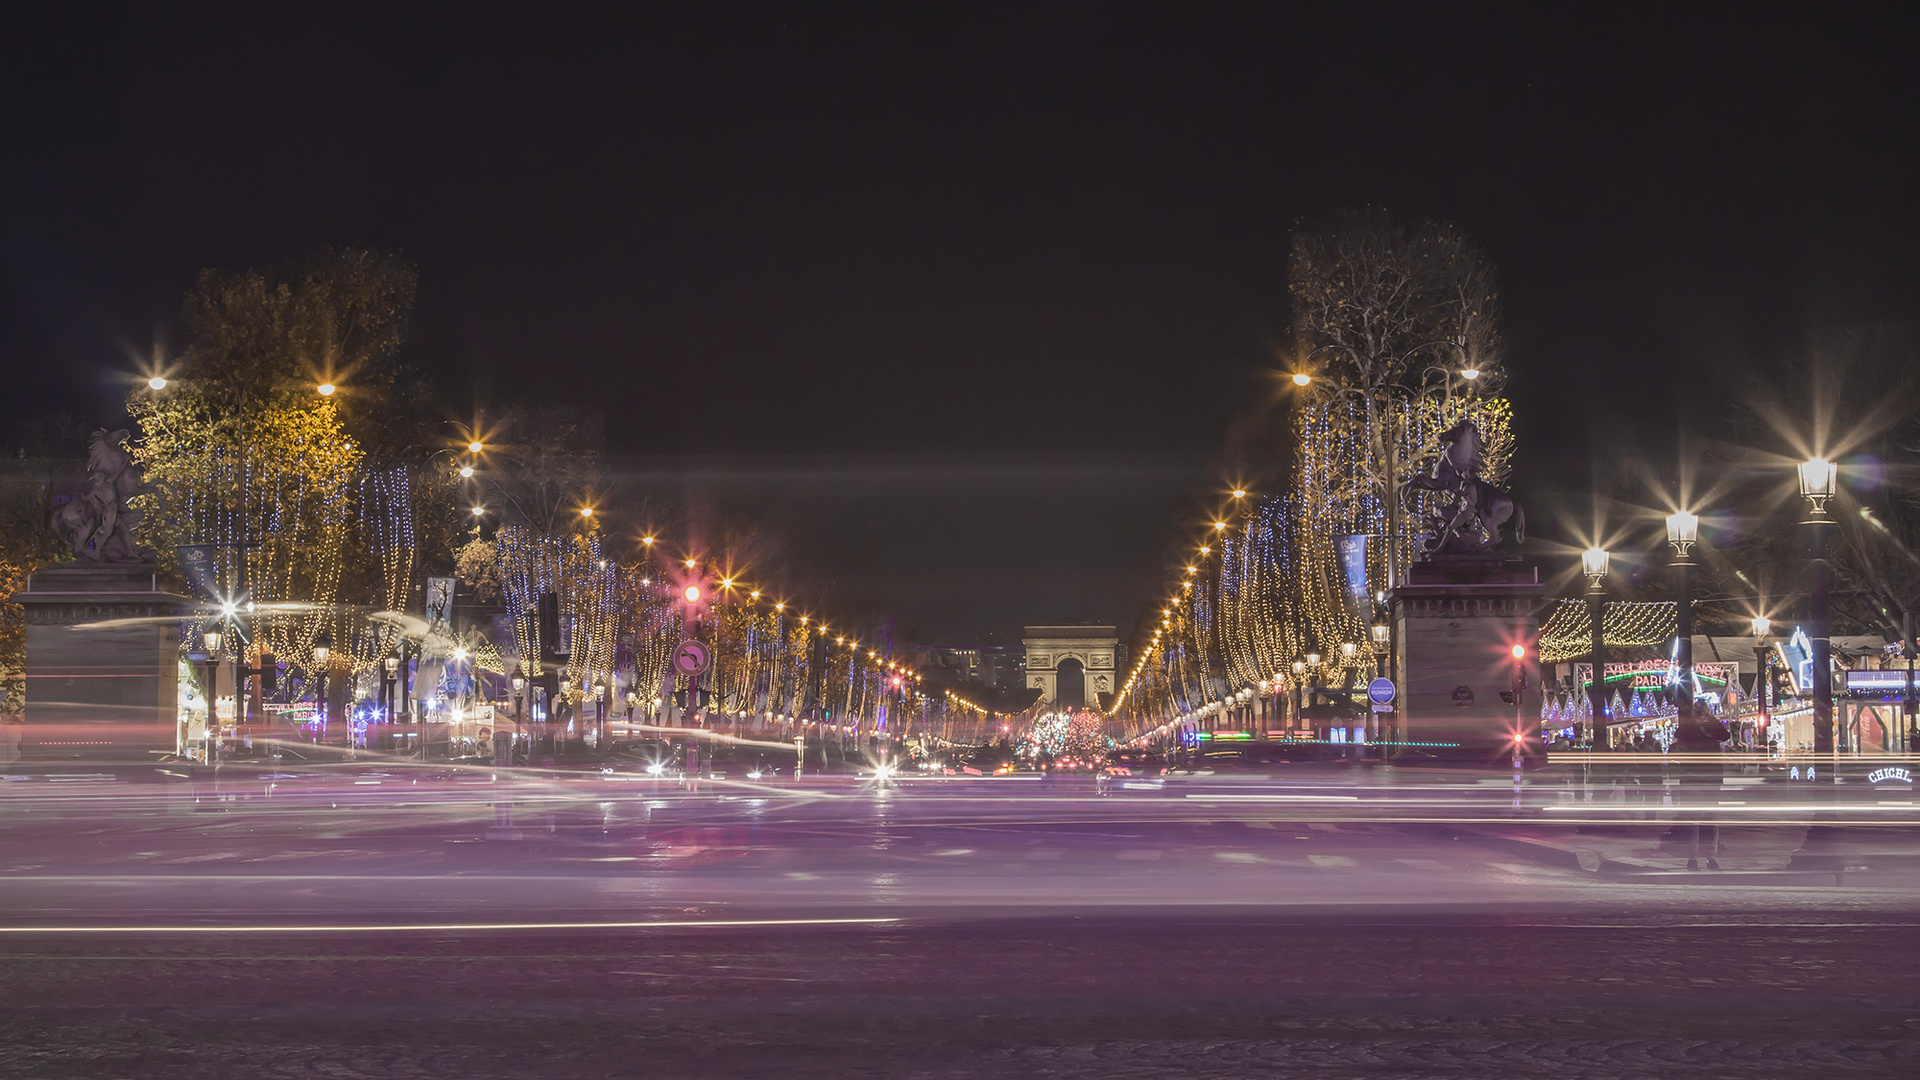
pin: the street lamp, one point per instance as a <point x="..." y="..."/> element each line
<point x="322" y="651"/>
<point x="1683" y="530"/>
<point x="1447" y="374"/>
<point x="212" y="640"/>
<point x="600" y="713"/>
<point x="519" y="709"/>
<point x="391" y="666"/>
<point x="1819" y="481"/>
<point x="1762" y="626"/>
<point x="1593" y="563"/>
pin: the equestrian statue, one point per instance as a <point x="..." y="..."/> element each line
<point x="98" y="522"/>
<point x="1466" y="500"/>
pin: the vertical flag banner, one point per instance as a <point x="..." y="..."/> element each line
<point x="198" y="567"/>
<point x="439" y="607"/>
<point x="1351" y="550"/>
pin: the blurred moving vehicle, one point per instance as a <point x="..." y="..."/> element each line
<point x="1225" y="762"/>
<point x="1248" y="758"/>
<point x="1131" y="769"/>
<point x="992" y="760"/>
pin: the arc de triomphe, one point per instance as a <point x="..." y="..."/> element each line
<point x="1091" y="647"/>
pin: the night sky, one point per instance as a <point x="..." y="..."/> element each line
<point x="1051" y="233"/>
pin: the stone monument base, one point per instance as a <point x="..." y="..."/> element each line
<point x="103" y="661"/>
<point x="1458" y="619"/>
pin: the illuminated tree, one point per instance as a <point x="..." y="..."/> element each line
<point x="1395" y="340"/>
<point x="320" y="492"/>
<point x="297" y="491"/>
<point x="1398" y="333"/>
<point x="27" y="543"/>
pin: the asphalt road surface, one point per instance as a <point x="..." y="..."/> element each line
<point x="368" y="920"/>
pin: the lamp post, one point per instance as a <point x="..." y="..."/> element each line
<point x="1762" y="626"/>
<point x="519" y="709"/>
<point x="1683" y="530"/>
<point x="1819" y="481"/>
<point x="1382" y="640"/>
<point x="1313" y="672"/>
<point x="1349" y="656"/>
<point x="322" y="651"/>
<point x="392" y="665"/>
<point x="212" y="639"/>
<point x="237" y="634"/>
<point x="1299" y="688"/>
<point x="1908" y="706"/>
<point x="408" y="653"/>
<point x="600" y="715"/>
<point x="1593" y="563"/>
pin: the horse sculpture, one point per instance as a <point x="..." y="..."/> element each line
<point x="98" y="522"/>
<point x="1469" y="499"/>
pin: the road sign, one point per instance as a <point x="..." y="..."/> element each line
<point x="691" y="658"/>
<point x="1381" y="691"/>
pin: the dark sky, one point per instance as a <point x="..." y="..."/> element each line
<point x="1033" y="229"/>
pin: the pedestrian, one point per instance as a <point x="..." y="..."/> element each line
<point x="1698" y="731"/>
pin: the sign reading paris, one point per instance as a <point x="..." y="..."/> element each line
<point x="691" y="658"/>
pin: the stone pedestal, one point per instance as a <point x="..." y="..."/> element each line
<point x="103" y="652"/>
<point x="1457" y="620"/>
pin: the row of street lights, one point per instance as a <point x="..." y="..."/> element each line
<point x="1819" y="483"/>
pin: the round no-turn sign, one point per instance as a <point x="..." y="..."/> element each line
<point x="691" y="658"/>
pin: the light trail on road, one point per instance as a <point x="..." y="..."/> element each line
<point x="376" y="928"/>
